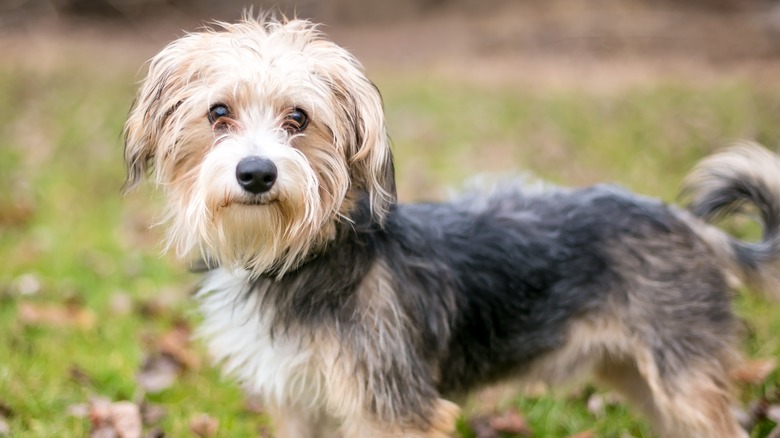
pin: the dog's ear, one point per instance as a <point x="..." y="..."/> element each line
<point x="368" y="148"/>
<point x="146" y="121"/>
<point x="138" y="148"/>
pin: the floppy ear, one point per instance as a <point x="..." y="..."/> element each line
<point x="145" y="123"/>
<point x="368" y="150"/>
<point x="138" y="147"/>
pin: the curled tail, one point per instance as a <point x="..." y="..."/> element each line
<point x="744" y="176"/>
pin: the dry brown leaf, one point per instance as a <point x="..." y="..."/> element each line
<point x="536" y="390"/>
<point x="511" y="422"/>
<point x="17" y="213"/>
<point x="170" y="355"/>
<point x="158" y="372"/>
<point x="78" y="375"/>
<point x="126" y="418"/>
<point x="155" y="433"/>
<point x="481" y="427"/>
<point x="254" y="405"/>
<point x="152" y="413"/>
<point x="176" y="343"/>
<point x="5" y="413"/>
<point x="772" y="412"/>
<point x="596" y="405"/>
<point x="118" y="420"/>
<point x="56" y="315"/>
<point x="5" y="410"/>
<point x="120" y="303"/>
<point x="152" y="309"/>
<point x="204" y="426"/>
<point x="99" y="416"/>
<point x="79" y="410"/>
<point x="754" y="372"/>
<point x="264" y="432"/>
<point x="492" y="426"/>
<point x="598" y="402"/>
<point x="584" y="434"/>
<point x="27" y="284"/>
<point x="162" y="304"/>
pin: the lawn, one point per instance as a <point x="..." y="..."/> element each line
<point x="86" y="295"/>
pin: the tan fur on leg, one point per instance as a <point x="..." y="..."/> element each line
<point x="297" y="422"/>
<point x="694" y="404"/>
<point x="623" y="376"/>
<point x="442" y="425"/>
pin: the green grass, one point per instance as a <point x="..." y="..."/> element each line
<point x="63" y="221"/>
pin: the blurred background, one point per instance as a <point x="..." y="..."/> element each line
<point x="95" y="322"/>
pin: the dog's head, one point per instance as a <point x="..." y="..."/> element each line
<point x="264" y="135"/>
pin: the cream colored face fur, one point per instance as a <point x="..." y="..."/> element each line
<point x="260" y="72"/>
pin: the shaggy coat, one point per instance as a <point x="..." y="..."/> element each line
<point x="349" y="311"/>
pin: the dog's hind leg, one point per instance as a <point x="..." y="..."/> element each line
<point x="624" y="376"/>
<point x="694" y="402"/>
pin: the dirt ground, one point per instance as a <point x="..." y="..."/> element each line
<point x="600" y="45"/>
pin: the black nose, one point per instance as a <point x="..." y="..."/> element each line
<point x="256" y="174"/>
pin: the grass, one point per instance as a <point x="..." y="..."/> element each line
<point x="68" y="238"/>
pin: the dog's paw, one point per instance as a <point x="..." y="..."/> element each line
<point x="446" y="414"/>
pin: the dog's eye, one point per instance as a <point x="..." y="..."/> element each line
<point x="217" y="112"/>
<point x="296" y="121"/>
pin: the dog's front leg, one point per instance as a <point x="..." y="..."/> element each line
<point x="294" y="421"/>
<point x="384" y="392"/>
<point x="438" y="423"/>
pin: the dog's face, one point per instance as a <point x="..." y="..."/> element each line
<point x="263" y="136"/>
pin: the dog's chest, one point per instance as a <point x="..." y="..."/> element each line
<point x="237" y="330"/>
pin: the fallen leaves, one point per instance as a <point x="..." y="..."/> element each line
<point x="772" y="412"/>
<point x="56" y="315"/>
<point x="598" y="402"/>
<point x="158" y="372"/>
<point x="176" y="344"/>
<point x="508" y="422"/>
<point x="171" y="355"/>
<point x="152" y="413"/>
<point x="168" y="356"/>
<point x="204" y="426"/>
<point x="15" y="213"/>
<point x="80" y="376"/>
<point x="125" y="419"/>
<point x="115" y="419"/>
<point x="762" y="411"/>
<point x="5" y="410"/>
<point x="5" y="414"/>
<point x="121" y="419"/>
<point x="754" y="372"/>
<point x="27" y="284"/>
<point x="162" y="305"/>
<point x="120" y="304"/>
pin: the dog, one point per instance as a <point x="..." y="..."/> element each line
<point x="351" y="313"/>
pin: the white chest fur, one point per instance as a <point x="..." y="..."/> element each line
<point x="238" y="334"/>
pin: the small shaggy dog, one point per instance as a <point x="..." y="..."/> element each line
<point x="351" y="313"/>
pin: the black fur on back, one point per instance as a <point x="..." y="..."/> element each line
<point x="488" y="283"/>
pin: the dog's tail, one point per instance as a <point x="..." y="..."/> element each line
<point x="743" y="178"/>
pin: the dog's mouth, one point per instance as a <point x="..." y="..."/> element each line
<point x="254" y="201"/>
